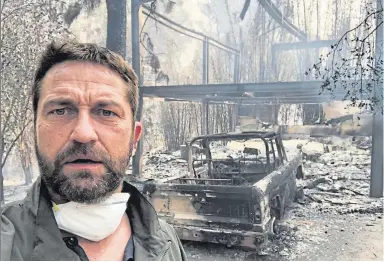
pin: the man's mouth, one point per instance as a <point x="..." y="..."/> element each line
<point x="83" y="161"/>
<point x="82" y="164"/>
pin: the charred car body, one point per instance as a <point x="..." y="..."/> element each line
<point x="231" y="200"/>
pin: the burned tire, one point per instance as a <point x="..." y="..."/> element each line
<point x="272" y="226"/>
<point x="299" y="172"/>
<point x="276" y="208"/>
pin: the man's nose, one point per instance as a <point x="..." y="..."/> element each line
<point x="84" y="131"/>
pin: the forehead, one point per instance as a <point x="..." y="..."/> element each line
<point x="84" y="74"/>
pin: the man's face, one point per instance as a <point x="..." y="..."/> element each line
<point x="85" y="131"/>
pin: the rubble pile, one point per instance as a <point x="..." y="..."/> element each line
<point x="161" y="165"/>
<point x="365" y="143"/>
<point x="338" y="182"/>
<point x="279" y="245"/>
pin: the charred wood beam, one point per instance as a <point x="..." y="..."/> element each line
<point x="274" y="12"/>
<point x="270" y="89"/>
<point x="269" y="101"/>
<point x="303" y="45"/>
<point x="245" y="9"/>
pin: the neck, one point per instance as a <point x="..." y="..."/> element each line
<point x="111" y="247"/>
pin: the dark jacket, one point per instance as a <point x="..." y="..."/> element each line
<point x="29" y="230"/>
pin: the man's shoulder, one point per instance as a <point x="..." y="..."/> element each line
<point x="12" y="208"/>
<point x="17" y="216"/>
<point x="11" y="225"/>
<point x="176" y="247"/>
<point x="167" y="228"/>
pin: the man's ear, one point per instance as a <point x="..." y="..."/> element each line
<point x="137" y="133"/>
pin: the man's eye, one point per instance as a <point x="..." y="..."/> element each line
<point x="59" y="112"/>
<point x="107" y="113"/>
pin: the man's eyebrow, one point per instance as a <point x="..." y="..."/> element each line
<point x="59" y="102"/>
<point x="105" y="103"/>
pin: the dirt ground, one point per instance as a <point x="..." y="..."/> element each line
<point x="340" y="237"/>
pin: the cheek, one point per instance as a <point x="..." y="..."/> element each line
<point x="116" y="140"/>
<point x="50" y="139"/>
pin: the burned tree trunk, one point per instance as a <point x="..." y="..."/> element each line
<point x="116" y="26"/>
<point x="1" y="185"/>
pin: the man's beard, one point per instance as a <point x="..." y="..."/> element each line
<point x="98" y="187"/>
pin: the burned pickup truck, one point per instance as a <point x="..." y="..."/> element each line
<point x="231" y="196"/>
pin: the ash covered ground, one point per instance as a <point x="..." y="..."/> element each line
<point x="333" y="217"/>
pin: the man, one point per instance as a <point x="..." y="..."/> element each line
<point x="84" y="101"/>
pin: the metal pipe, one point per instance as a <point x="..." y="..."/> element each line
<point x="220" y="45"/>
<point x="198" y="37"/>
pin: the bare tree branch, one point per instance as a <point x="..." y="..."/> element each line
<point x="13" y="143"/>
<point x="20" y="8"/>
<point x="2" y="6"/>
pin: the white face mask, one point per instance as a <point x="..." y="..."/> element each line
<point x="92" y="221"/>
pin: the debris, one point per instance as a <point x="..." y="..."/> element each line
<point x="365" y="145"/>
<point x="318" y="181"/>
<point x="332" y="186"/>
<point x="314" y="198"/>
<point x="300" y="196"/>
<point x="262" y="253"/>
<point x="312" y="151"/>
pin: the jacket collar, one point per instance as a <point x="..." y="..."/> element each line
<point x="150" y="241"/>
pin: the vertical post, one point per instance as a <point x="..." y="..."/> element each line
<point x="206" y="117"/>
<point x="236" y="69"/>
<point x="205" y="61"/>
<point x="235" y="117"/>
<point x="205" y="78"/>
<point x="376" y="186"/>
<point x="274" y="60"/>
<point x="116" y="27"/>
<point x="1" y="186"/>
<point x="135" y="23"/>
